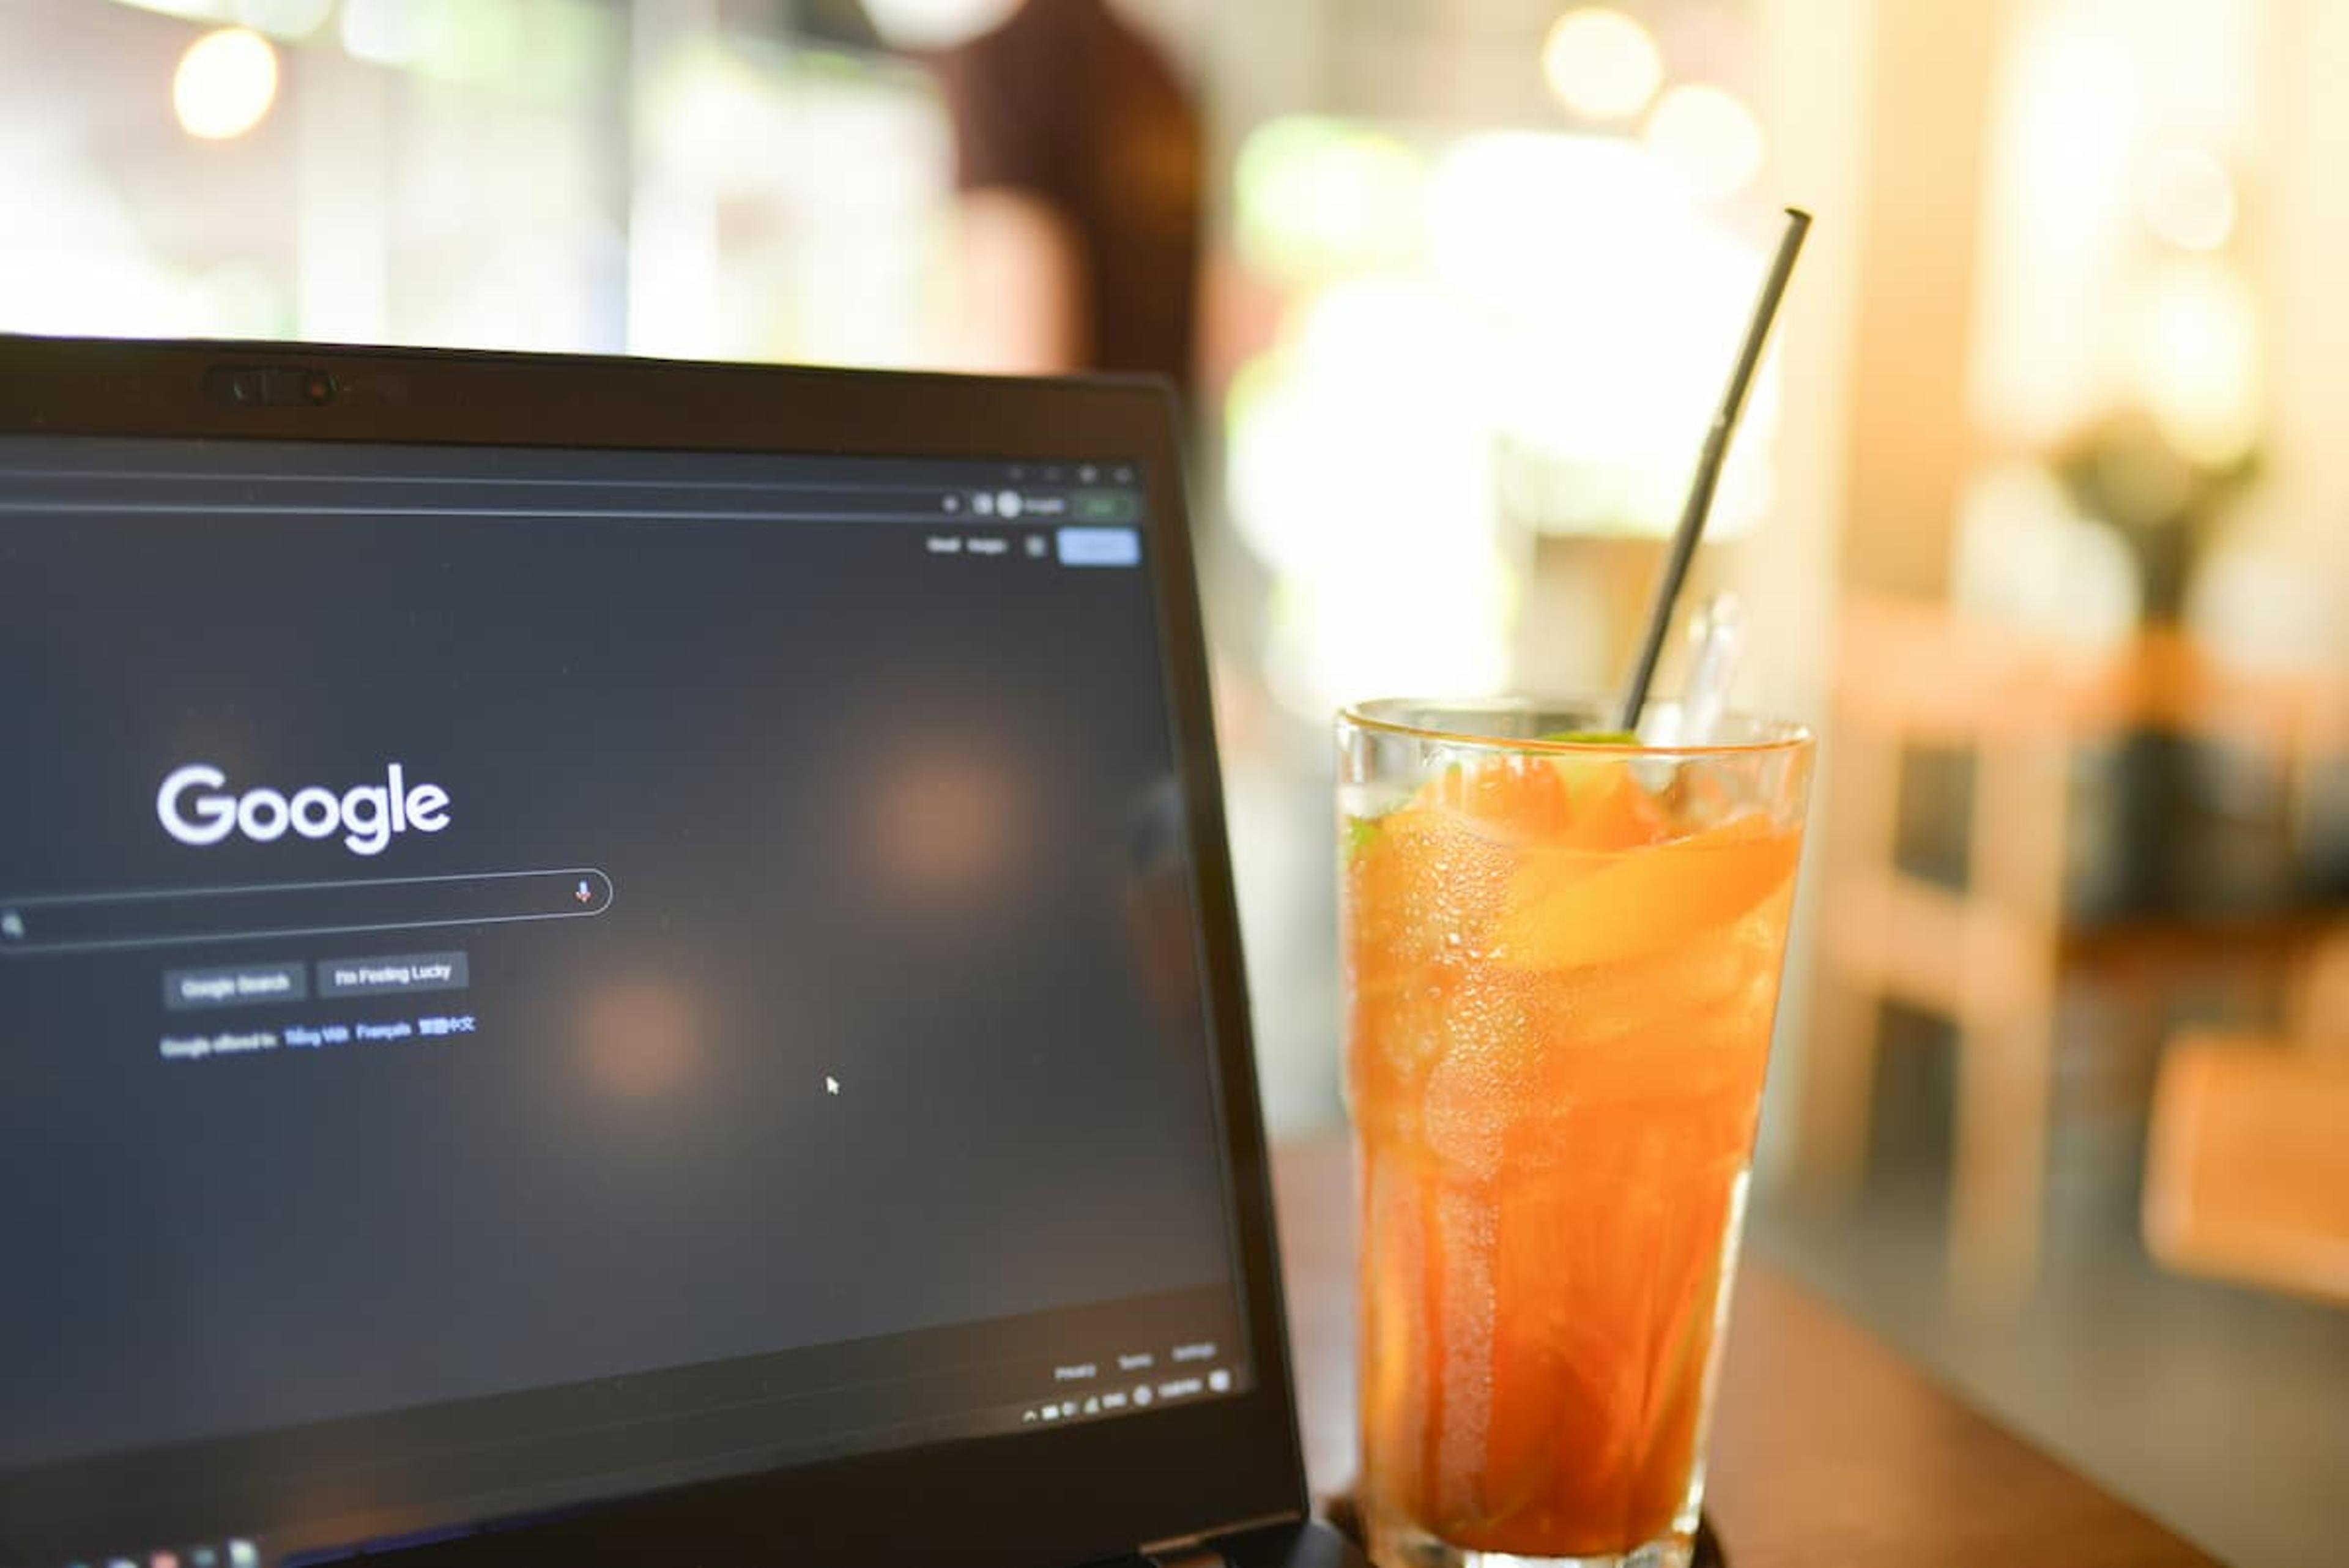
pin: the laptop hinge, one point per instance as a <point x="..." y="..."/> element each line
<point x="1186" y="1556"/>
<point x="1200" y="1551"/>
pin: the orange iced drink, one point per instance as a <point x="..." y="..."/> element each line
<point x="1562" y="962"/>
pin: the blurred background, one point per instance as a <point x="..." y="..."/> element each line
<point x="2041" y="513"/>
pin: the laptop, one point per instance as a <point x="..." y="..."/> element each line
<point x="618" y="961"/>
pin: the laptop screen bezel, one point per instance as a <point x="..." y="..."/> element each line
<point x="1063" y="1494"/>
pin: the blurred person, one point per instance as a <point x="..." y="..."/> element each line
<point x="1078" y="155"/>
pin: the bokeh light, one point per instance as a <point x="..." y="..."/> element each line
<point x="1601" y="63"/>
<point x="1707" y="139"/>
<point x="2025" y="556"/>
<point x="279" y="18"/>
<point x="1360" y="476"/>
<point x="642" y="1037"/>
<point x="2257" y="602"/>
<point x="945" y="820"/>
<point x="225" y="85"/>
<point x="936" y="24"/>
<point x="1314" y="197"/>
<point x="2197" y="359"/>
<point x="389" y="32"/>
<point x="1616" y="332"/>
<point x="186" y="10"/>
<point x="2187" y="197"/>
<point x="285" y="18"/>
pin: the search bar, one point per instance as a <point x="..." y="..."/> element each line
<point x="92" y="922"/>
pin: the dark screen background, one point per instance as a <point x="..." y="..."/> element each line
<point x="867" y="811"/>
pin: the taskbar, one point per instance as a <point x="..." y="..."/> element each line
<point x="376" y="1483"/>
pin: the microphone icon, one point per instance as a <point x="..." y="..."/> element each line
<point x="584" y="893"/>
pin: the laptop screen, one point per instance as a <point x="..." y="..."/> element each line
<point x="533" y="976"/>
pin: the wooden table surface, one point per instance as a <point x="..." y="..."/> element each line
<point x="1828" y="1450"/>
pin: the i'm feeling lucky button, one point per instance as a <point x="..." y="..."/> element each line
<point x="401" y="974"/>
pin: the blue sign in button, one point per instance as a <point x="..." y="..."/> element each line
<point x="1100" y="547"/>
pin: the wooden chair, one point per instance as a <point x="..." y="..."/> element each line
<point x="1989" y="955"/>
<point x="2247" y="1171"/>
<point x="1910" y="676"/>
<point x="2317" y="1010"/>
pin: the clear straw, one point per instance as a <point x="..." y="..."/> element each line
<point x="1716" y="638"/>
<point x="1699" y="505"/>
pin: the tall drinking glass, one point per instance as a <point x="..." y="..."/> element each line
<point x="1561" y="963"/>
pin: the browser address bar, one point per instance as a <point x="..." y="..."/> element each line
<point x="91" y="922"/>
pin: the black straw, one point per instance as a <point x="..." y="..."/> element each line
<point x="1699" y="505"/>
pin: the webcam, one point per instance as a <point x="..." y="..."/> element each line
<point x="271" y="386"/>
